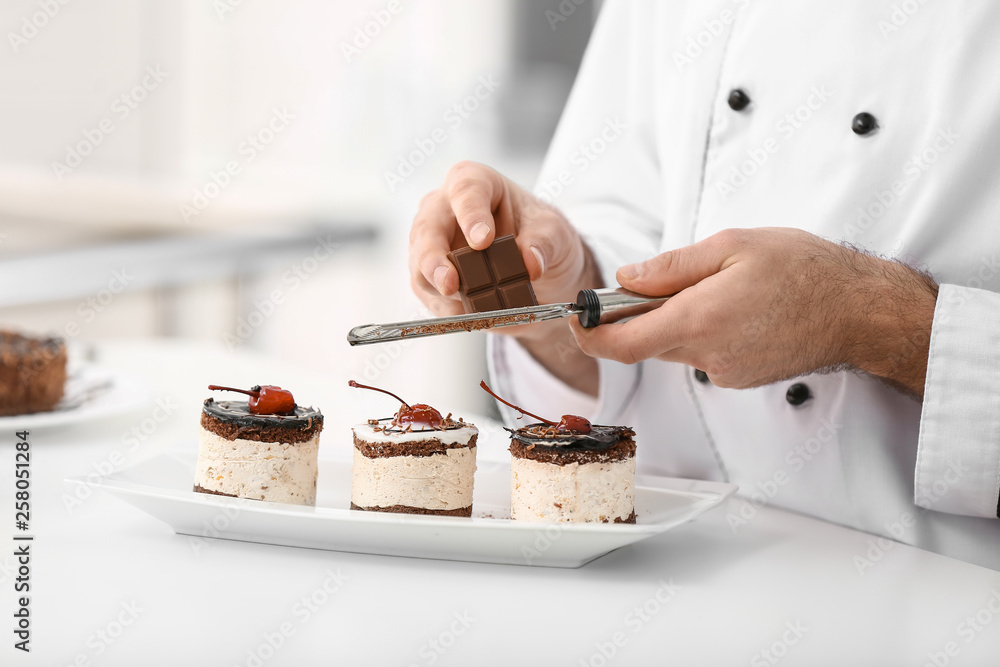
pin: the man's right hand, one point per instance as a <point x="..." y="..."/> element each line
<point x="475" y="205"/>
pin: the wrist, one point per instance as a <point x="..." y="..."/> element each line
<point x="889" y="324"/>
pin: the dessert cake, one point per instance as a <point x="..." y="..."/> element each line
<point x="571" y="471"/>
<point x="263" y="449"/>
<point x="416" y="462"/>
<point x="32" y="373"/>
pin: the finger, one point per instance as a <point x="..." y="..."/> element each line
<point x="430" y="243"/>
<point x="433" y="299"/>
<point x="542" y="246"/>
<point x="672" y="271"/>
<point x="552" y="249"/>
<point x="475" y="191"/>
<point x="444" y="307"/>
<point x="657" y="333"/>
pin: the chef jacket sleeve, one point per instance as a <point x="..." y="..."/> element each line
<point x="958" y="453"/>
<point x="602" y="172"/>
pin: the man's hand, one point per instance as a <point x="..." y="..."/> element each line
<point x="760" y="305"/>
<point x="476" y="205"/>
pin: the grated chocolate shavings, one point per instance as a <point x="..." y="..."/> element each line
<point x="489" y="323"/>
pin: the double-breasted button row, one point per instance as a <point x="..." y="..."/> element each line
<point x="797" y="394"/>
<point x="862" y="124"/>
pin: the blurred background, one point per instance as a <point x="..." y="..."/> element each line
<point x="244" y="173"/>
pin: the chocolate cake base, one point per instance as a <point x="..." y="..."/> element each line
<point x="630" y="519"/>
<point x="403" y="509"/>
<point x="202" y="489"/>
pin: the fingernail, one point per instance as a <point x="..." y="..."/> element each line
<point x="538" y="257"/>
<point x="630" y="271"/>
<point x="440" y="273"/>
<point x="479" y="233"/>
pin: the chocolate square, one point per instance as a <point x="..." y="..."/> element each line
<point x="493" y="279"/>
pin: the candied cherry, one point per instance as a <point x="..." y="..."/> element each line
<point x="266" y="399"/>
<point x="568" y="424"/>
<point x="418" y="414"/>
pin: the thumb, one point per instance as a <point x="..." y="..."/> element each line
<point x="475" y="191"/>
<point x="672" y="271"/>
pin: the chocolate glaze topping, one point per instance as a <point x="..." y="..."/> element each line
<point x="238" y="413"/>
<point x="546" y="437"/>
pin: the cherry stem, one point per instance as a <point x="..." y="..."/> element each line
<point x="482" y="383"/>
<point x="215" y="387"/>
<point x="356" y="385"/>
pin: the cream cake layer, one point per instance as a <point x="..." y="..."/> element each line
<point x="272" y="471"/>
<point x="574" y="492"/>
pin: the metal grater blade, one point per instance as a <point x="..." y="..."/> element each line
<point x="368" y="334"/>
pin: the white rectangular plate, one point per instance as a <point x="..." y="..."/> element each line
<point x="161" y="487"/>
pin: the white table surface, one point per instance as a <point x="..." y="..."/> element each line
<point x="735" y="594"/>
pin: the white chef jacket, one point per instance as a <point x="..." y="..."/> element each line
<point x="650" y="155"/>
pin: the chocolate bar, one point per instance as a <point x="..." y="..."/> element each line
<point x="494" y="278"/>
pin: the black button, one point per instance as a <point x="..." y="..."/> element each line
<point x="864" y="123"/>
<point x="798" y="394"/>
<point x="701" y="376"/>
<point x="738" y="100"/>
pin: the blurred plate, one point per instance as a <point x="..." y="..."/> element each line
<point x="91" y="393"/>
<point x="161" y="487"/>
